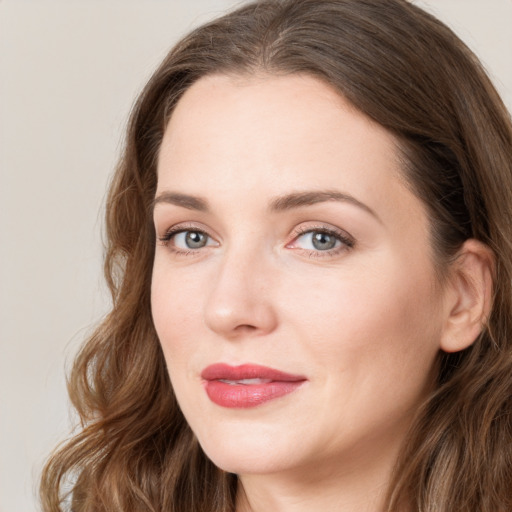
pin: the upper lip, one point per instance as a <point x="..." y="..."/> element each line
<point x="223" y="371"/>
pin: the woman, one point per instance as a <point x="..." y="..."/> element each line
<point x="309" y="238"/>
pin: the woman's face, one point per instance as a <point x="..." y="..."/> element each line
<point x="293" y="289"/>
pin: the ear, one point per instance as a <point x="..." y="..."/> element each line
<point x="468" y="295"/>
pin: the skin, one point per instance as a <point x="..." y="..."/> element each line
<point x="363" y="321"/>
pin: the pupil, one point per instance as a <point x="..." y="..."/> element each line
<point x="195" y="240"/>
<point x="323" y="241"/>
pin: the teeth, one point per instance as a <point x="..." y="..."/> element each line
<point x="245" y="382"/>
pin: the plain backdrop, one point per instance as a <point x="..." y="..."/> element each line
<point x="69" y="72"/>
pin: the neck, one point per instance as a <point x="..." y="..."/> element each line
<point x="357" y="486"/>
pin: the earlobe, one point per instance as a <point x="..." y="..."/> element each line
<point x="468" y="296"/>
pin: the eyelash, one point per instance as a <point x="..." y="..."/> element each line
<point x="347" y="242"/>
<point x="166" y="239"/>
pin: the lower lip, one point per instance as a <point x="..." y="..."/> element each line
<point x="244" y="396"/>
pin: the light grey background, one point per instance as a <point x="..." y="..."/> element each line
<point x="69" y="72"/>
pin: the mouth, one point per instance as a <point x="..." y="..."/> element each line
<point x="247" y="385"/>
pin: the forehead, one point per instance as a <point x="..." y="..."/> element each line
<point x="269" y="119"/>
<point x="270" y="135"/>
<point x="291" y="106"/>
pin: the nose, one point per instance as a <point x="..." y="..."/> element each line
<point x="239" y="302"/>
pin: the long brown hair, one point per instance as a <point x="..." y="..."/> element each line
<point x="406" y="70"/>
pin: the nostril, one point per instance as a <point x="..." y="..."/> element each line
<point x="245" y="328"/>
<point x="236" y="307"/>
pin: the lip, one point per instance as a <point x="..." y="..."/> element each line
<point x="223" y="387"/>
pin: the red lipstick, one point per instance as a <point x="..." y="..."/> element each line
<point x="247" y="385"/>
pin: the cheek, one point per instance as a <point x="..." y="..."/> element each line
<point x="175" y="308"/>
<point x="175" y="316"/>
<point x="391" y="298"/>
<point x="382" y="323"/>
<point x="372" y="344"/>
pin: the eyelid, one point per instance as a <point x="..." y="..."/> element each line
<point x="169" y="233"/>
<point x="347" y="240"/>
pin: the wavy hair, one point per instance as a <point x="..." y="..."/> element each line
<point x="407" y="71"/>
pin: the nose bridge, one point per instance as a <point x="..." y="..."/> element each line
<point x="238" y="300"/>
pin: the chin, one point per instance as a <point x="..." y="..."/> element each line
<point x="249" y="452"/>
<point x="245" y="463"/>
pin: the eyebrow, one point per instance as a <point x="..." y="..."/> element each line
<point x="183" y="200"/>
<point x="278" y="204"/>
<point x="309" y="198"/>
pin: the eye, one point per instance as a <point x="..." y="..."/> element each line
<point x="190" y="239"/>
<point x="321" y="240"/>
<point x="187" y="239"/>
<point x="318" y="240"/>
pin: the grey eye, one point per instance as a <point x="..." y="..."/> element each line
<point x="318" y="241"/>
<point x="189" y="239"/>
<point x="195" y="239"/>
<point x="323" y="241"/>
